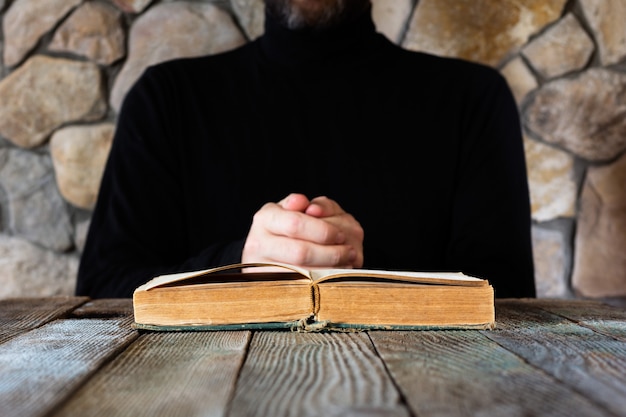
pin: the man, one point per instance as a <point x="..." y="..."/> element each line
<point x="319" y="144"/>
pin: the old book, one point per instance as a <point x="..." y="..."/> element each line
<point x="309" y="300"/>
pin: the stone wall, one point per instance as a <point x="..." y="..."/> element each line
<point x="66" y="65"/>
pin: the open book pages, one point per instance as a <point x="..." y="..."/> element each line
<point x="322" y="274"/>
<point x="225" y="297"/>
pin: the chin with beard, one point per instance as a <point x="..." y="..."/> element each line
<point x="314" y="14"/>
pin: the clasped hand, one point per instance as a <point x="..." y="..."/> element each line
<point x="315" y="233"/>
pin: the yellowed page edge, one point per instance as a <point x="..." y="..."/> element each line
<point x="177" y="277"/>
<point x="449" y="278"/>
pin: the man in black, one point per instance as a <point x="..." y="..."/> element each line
<point x="320" y="144"/>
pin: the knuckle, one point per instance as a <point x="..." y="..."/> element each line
<point x="327" y="233"/>
<point x="337" y="257"/>
<point x="359" y="233"/>
<point x="262" y="214"/>
<point x="299" y="254"/>
<point x="257" y="220"/>
<point x="293" y="224"/>
<point x="356" y="229"/>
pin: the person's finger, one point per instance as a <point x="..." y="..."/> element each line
<point x="307" y="254"/>
<point x="294" y="202"/>
<point x="323" y="207"/>
<point x="296" y="225"/>
<point x="353" y="232"/>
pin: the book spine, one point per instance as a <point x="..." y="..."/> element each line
<point x="315" y="299"/>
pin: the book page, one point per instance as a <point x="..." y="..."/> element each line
<point x="167" y="279"/>
<point x="445" y="278"/>
<point x="320" y="275"/>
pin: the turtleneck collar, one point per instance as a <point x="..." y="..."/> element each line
<point x="291" y="49"/>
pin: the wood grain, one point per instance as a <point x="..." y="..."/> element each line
<point x="69" y="357"/>
<point x="313" y="374"/>
<point x="587" y="361"/>
<point x="105" y="307"/>
<point x="596" y="315"/>
<point x="40" y="368"/>
<point x="165" y="374"/>
<point x="18" y="315"/>
<point x="463" y="373"/>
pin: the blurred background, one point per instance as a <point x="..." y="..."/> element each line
<point x="65" y="66"/>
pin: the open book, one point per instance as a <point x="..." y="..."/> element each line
<point x="309" y="300"/>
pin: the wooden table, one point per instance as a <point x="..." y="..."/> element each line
<point x="76" y="357"/>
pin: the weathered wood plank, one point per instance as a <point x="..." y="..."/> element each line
<point x="18" y="315"/>
<point x="312" y="374"/>
<point x="105" y="307"/>
<point x="596" y="315"/>
<point x="589" y="362"/>
<point x="165" y="374"/>
<point x="40" y="368"/>
<point x="463" y="373"/>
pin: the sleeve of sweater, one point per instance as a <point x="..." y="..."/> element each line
<point x="491" y="223"/>
<point x="136" y="230"/>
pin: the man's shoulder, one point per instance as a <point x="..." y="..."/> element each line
<point x="432" y="62"/>
<point x="444" y="75"/>
<point x="202" y="64"/>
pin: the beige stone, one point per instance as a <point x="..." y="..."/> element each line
<point x="29" y="271"/>
<point x="486" y="31"/>
<point x="563" y="48"/>
<point x="26" y="21"/>
<point x="600" y="257"/>
<point x="30" y="200"/>
<point x="550" y="255"/>
<point x="79" y="154"/>
<point x="132" y="6"/>
<point x="551" y="181"/>
<point x="80" y="235"/>
<point x="584" y="114"/>
<point x="46" y="93"/>
<point x="520" y="79"/>
<point x="251" y="16"/>
<point x="391" y="17"/>
<point x="606" y="18"/>
<point x="181" y="29"/>
<point x="94" y="31"/>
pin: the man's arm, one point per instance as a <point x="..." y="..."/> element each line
<point x="491" y="220"/>
<point x="139" y="227"/>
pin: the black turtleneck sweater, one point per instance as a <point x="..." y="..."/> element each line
<point x="425" y="152"/>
